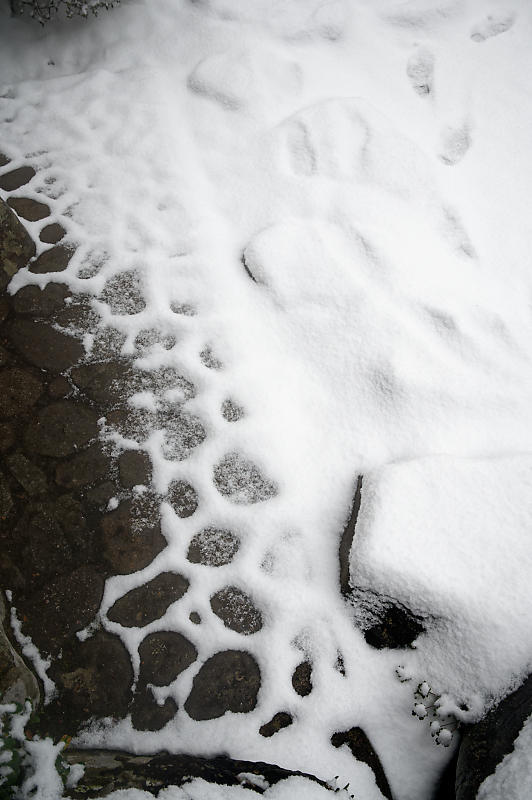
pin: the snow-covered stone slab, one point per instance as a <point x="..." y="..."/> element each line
<point x="451" y="539"/>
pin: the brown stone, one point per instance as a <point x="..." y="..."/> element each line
<point x="59" y="387"/>
<point x="29" y="209"/>
<point x="19" y="391"/>
<point x="148" y="602"/>
<point x="280" y="720"/>
<point x="228" y="681"/>
<point x="213" y="547"/>
<point x="101" y="494"/>
<point x="78" y="315"/>
<point x="6" y="501"/>
<point x="241" y="481"/>
<point x="4" y="308"/>
<point x="183" y="498"/>
<point x="4" y="356"/>
<point x="129" y="547"/>
<point x="38" y="302"/>
<point x="29" y="475"/>
<point x="56" y="259"/>
<point x="147" y="714"/>
<point x="51" y="234"/>
<point x="302" y="679"/>
<point x="106" y="382"/>
<point x="84" y="469"/>
<point x="163" y="656"/>
<point x="7" y="436"/>
<point x="16" y="245"/>
<point x="134" y="467"/>
<point x="10" y="181"/>
<point x="236" y="610"/>
<point x="61" y="428"/>
<point x="44" y="346"/>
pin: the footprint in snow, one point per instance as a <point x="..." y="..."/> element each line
<point x="456" y="142"/>
<point x="420" y="71"/>
<point x="493" y="25"/>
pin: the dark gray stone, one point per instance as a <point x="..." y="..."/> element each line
<point x="6" y="501"/>
<point x="182" y="433"/>
<point x="43" y="346"/>
<point x="148" y="602"/>
<point x="228" y="681"/>
<point x="147" y="715"/>
<point x="61" y="428"/>
<point x="213" y="547"/>
<point x="29" y="475"/>
<point x="52" y="234"/>
<point x="29" y="209"/>
<point x="241" y="481"/>
<point x="107" y="382"/>
<point x="130" y="543"/>
<point x="134" y="467"/>
<point x="362" y="750"/>
<point x="279" y="721"/>
<point x="36" y="302"/>
<point x="101" y="494"/>
<point x="163" y="656"/>
<point x="236" y="610"/>
<point x="209" y="360"/>
<point x="84" y="469"/>
<point x="16" y="245"/>
<point x="231" y="411"/>
<point x="132" y="423"/>
<point x="56" y="259"/>
<point x="59" y="387"/>
<point x="10" y="181"/>
<point x="123" y="293"/>
<point x="183" y="498"/>
<point x="302" y="679"/>
<point x="7" y="436"/>
<point x="19" y="391"/>
<point x="194" y="617"/>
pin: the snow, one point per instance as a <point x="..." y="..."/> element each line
<point x="330" y="200"/>
<point x="512" y="778"/>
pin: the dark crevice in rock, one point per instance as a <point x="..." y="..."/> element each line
<point x="396" y="627"/>
<point x="362" y="750"/>
<point x="247" y="269"/>
<point x="347" y="539"/>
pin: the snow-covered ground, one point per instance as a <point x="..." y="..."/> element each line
<point x="337" y="196"/>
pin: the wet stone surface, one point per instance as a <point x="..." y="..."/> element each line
<point x="123" y="294"/>
<point x="134" y="468"/>
<point x="236" y="610"/>
<point x="279" y="721"/>
<point x="56" y="259"/>
<point x="29" y="209"/>
<point x="61" y="429"/>
<point x="147" y="714"/>
<point x="53" y="233"/>
<point x="44" y="346"/>
<point x="148" y="602"/>
<point x="228" y="681"/>
<point x="36" y="302"/>
<point x="15" y="178"/>
<point x="16" y="246"/>
<point x="83" y="469"/>
<point x="19" y="390"/>
<point x="302" y="679"/>
<point x="127" y="546"/>
<point x="163" y="656"/>
<point x="183" y="498"/>
<point x="213" y="547"/>
<point x="241" y="481"/>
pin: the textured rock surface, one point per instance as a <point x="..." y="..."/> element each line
<point x="163" y="656"/>
<point x="229" y="681"/>
<point x="213" y="547"/>
<point x="236" y="610"/>
<point x="241" y="481"/>
<point x="362" y="750"/>
<point x="16" y="245"/>
<point x="148" y="602"/>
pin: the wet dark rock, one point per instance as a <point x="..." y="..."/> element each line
<point x="302" y="679"/>
<point x="129" y="543"/>
<point x="486" y="743"/>
<point x="134" y="467"/>
<point x="16" y="245"/>
<point x="6" y="501"/>
<point x="59" y="387"/>
<point x="209" y="360"/>
<point x="17" y="682"/>
<point x="213" y="547"/>
<point x="228" y="681"/>
<point x="4" y="308"/>
<point x="280" y="720"/>
<point x="147" y="714"/>
<point x="61" y="428"/>
<point x="36" y="302"/>
<point x="163" y="656"/>
<point x="7" y="436"/>
<point x="362" y="750"/>
<point x="132" y="423"/>
<point x="16" y="178"/>
<point x="163" y="378"/>
<point x="66" y="604"/>
<point x="78" y="315"/>
<point x="397" y="627"/>
<point x="182" y="433"/>
<point x="194" y="617"/>
<point x="183" y="498"/>
<point x="101" y="494"/>
<point x="19" y="391"/>
<point x="236" y="610"/>
<point x="123" y="293"/>
<point x="111" y="770"/>
<point x="84" y="469"/>
<point x="29" y="209"/>
<point x="108" y="343"/>
<point x="43" y="346"/>
<point x="95" y="678"/>
<point x="4" y="356"/>
<point x="52" y="234"/>
<point x="56" y="259"/>
<point x="106" y="382"/>
<point x="148" y="602"/>
<point x="347" y="539"/>
<point x="231" y="411"/>
<point x="4" y="160"/>
<point x="241" y="481"/>
<point x="29" y="475"/>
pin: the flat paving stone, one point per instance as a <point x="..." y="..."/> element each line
<point x="4" y="160"/>
<point x="241" y="481"/>
<point x="163" y="656"/>
<point x="147" y="714"/>
<point x="16" y="245"/>
<point x="15" y="178"/>
<point x="29" y="475"/>
<point x="43" y="346"/>
<point x="302" y="679"/>
<point x="148" y="602"/>
<point x="279" y="721"/>
<point x="61" y="429"/>
<point x="19" y="391"/>
<point x="52" y="234"/>
<point x="90" y="466"/>
<point x="231" y="411"/>
<point x="134" y="468"/>
<point x="182" y="433"/>
<point x="183" y="498"/>
<point x="36" y="302"/>
<point x="123" y="294"/>
<point x="59" y="387"/>
<point x="6" y="500"/>
<point x="7" y="435"/>
<point x="56" y="259"/>
<point x="29" y="209"/>
<point x="236" y="610"/>
<point x="213" y="547"/>
<point x="106" y="382"/>
<point x="228" y="681"/>
<point x="128" y="547"/>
